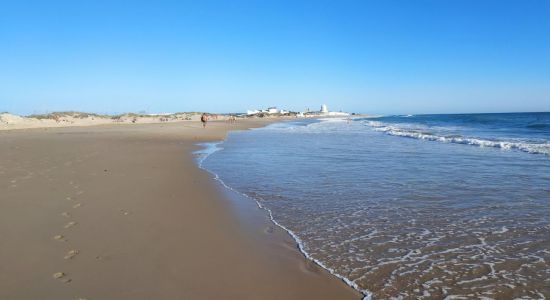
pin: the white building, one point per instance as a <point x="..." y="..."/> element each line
<point x="271" y="110"/>
<point x="325" y="112"/>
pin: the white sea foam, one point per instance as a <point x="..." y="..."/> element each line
<point x="425" y="134"/>
<point x="504" y="229"/>
<point x="333" y="120"/>
<point x="209" y="149"/>
<point x="358" y="244"/>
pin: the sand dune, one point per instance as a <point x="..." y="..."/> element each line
<point x="69" y="119"/>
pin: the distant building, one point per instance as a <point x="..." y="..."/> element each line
<point x="270" y="110"/>
<point x="325" y="112"/>
<point x="275" y="111"/>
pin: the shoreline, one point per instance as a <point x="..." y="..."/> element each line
<point x="210" y="148"/>
<point x="366" y="294"/>
<point x="137" y="224"/>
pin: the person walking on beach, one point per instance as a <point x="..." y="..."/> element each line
<point x="204" y="119"/>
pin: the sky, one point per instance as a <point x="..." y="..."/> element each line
<point x="378" y="57"/>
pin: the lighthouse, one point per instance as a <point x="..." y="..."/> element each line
<point x="324" y="109"/>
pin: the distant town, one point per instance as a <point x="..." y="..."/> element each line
<point x="274" y="111"/>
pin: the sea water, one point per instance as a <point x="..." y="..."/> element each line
<point x="422" y="206"/>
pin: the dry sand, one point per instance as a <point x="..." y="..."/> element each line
<point x="122" y="212"/>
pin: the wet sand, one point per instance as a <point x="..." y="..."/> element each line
<point x="123" y="212"/>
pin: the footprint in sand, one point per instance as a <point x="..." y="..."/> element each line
<point x="62" y="277"/>
<point x="71" y="254"/>
<point x="80" y="192"/>
<point x="69" y="198"/>
<point x="65" y="214"/>
<point x="126" y="213"/>
<point x="59" y="238"/>
<point x="70" y="224"/>
<point x="77" y="205"/>
<point x="269" y="230"/>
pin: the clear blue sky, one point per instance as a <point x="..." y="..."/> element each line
<point x="361" y="56"/>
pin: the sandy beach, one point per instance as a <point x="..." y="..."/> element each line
<point x="123" y="212"/>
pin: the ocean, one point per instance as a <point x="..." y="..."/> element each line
<point x="412" y="206"/>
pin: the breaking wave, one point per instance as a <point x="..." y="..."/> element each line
<point x="542" y="147"/>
